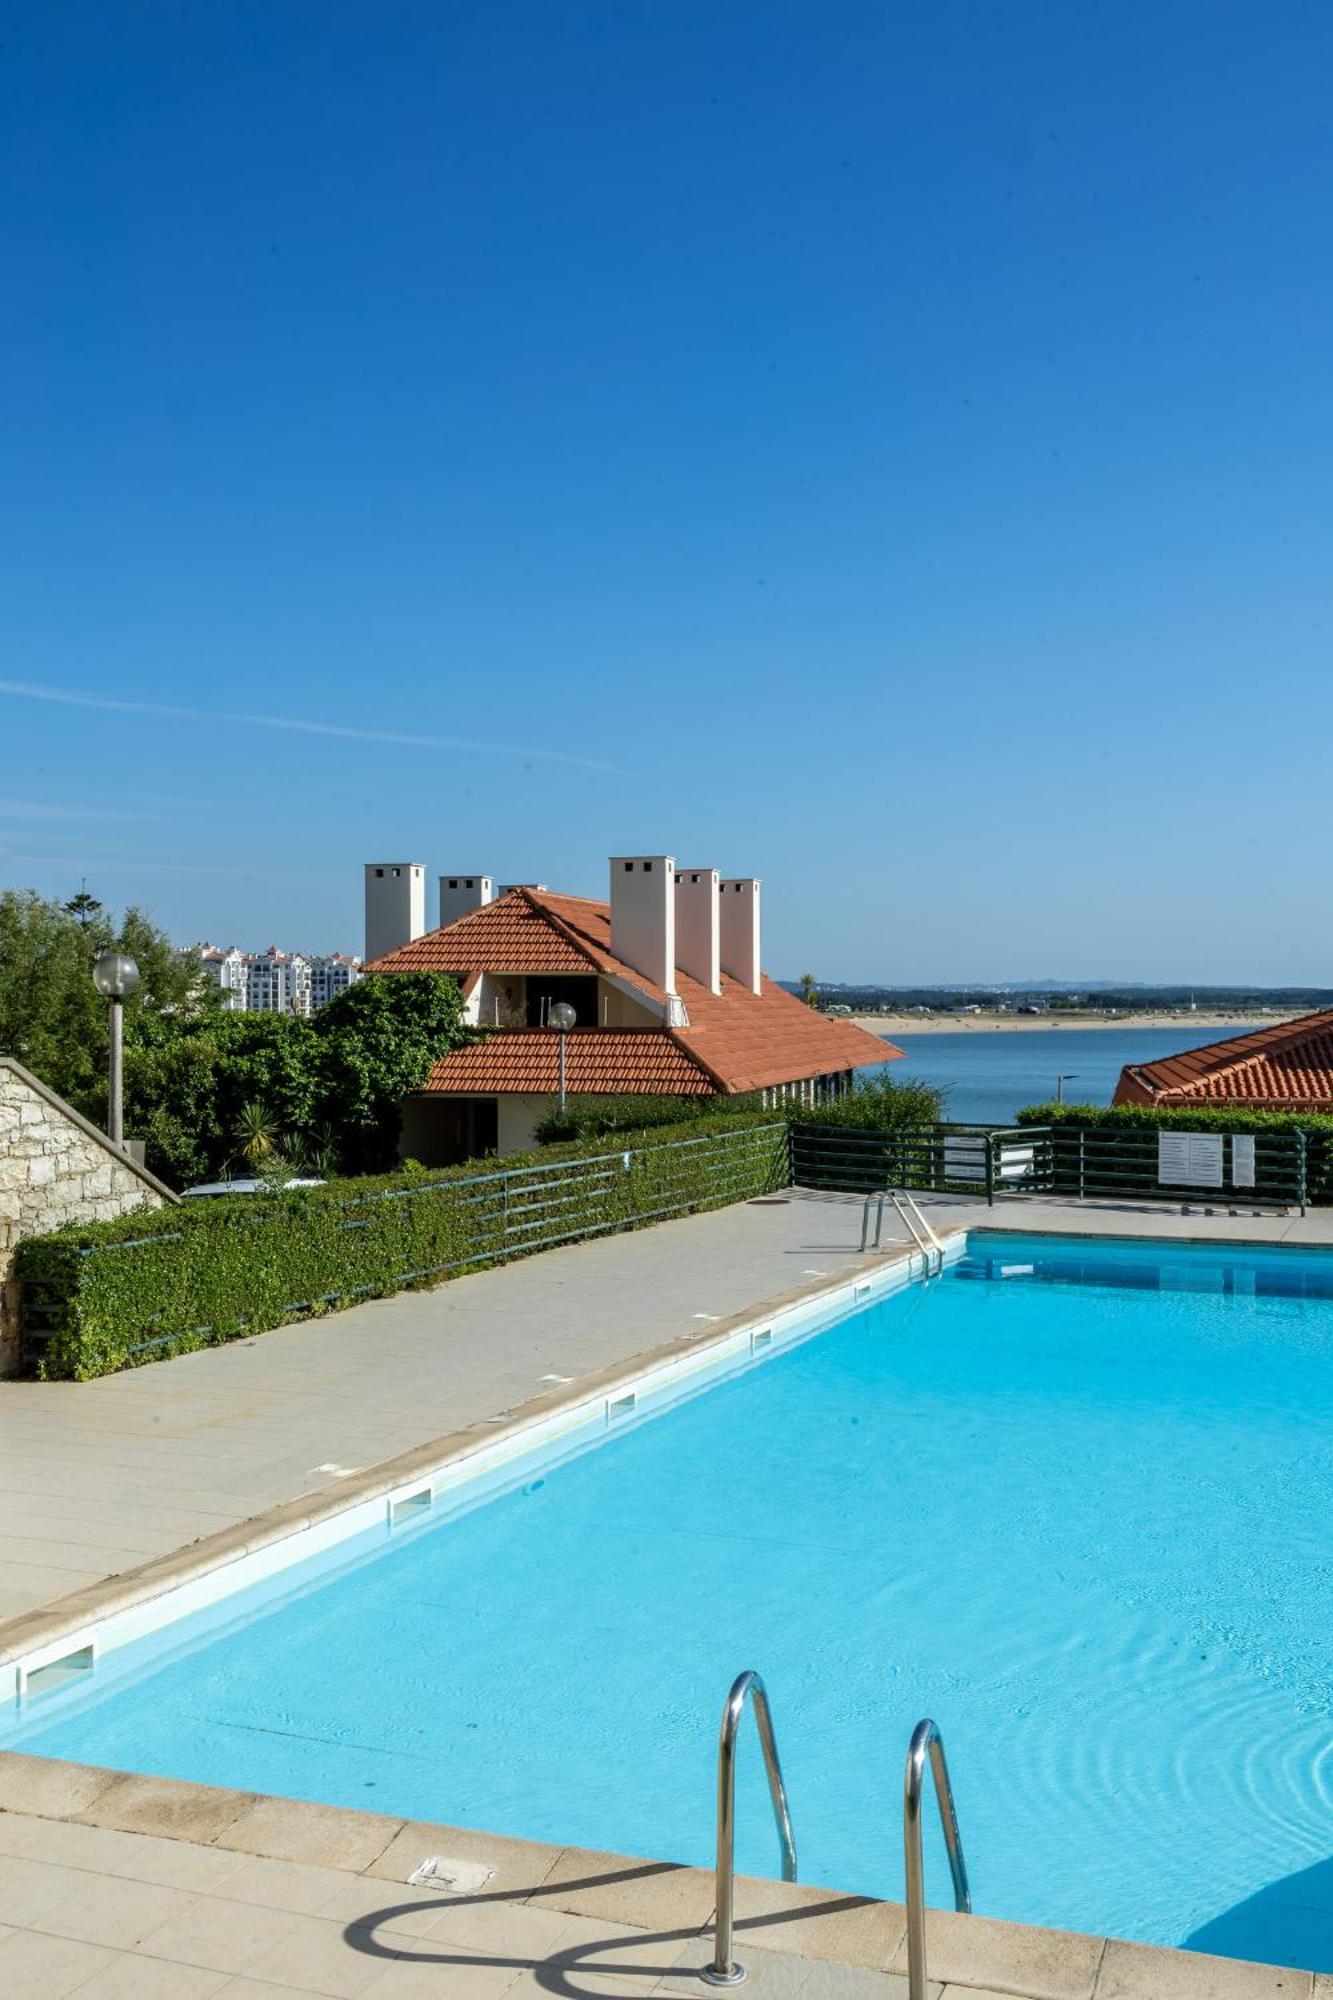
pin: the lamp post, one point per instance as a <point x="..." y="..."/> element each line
<point x="562" y="1018"/>
<point x="1069" y="1076"/>
<point x="115" y="975"/>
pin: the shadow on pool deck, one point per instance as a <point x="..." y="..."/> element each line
<point x="1288" y="1922"/>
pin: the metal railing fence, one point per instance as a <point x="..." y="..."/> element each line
<point x="332" y="1249"/>
<point x="1260" y="1169"/>
<point x="953" y="1159"/>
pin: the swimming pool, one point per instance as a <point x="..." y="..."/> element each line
<point x="1071" y="1498"/>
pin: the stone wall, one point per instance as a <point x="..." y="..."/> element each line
<point x="54" y="1167"/>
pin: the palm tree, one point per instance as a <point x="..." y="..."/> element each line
<point x="809" y="989"/>
<point x="256" y="1134"/>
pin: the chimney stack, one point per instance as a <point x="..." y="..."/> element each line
<point x="643" y="916"/>
<point x="698" y="934"/>
<point x="395" y="905"/>
<point x="461" y="893"/>
<point x="738" y="901"/>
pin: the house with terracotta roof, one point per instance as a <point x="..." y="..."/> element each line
<point x="664" y="979"/>
<point x="1286" y="1067"/>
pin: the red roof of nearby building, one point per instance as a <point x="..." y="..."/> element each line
<point x="739" y="1039"/>
<point x="637" y="1061"/>
<point x="1288" y="1067"/>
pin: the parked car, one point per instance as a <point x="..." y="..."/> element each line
<point x="208" y="1189"/>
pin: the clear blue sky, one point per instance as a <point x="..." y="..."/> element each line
<point x="886" y="448"/>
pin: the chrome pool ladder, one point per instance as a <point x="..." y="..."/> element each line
<point x="909" y="1214"/>
<point x="724" y="1971"/>
<point x="927" y="1744"/>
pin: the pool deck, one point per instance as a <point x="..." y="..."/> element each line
<point x="111" y="1885"/>
<point x="123" y="1888"/>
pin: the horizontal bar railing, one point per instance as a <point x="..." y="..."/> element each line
<point x="513" y="1211"/>
<point x="1090" y="1162"/>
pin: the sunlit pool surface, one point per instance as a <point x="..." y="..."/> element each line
<point x="1073" y="1500"/>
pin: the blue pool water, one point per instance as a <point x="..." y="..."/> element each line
<point x="1073" y="1500"/>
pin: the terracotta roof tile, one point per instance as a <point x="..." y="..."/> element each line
<point x="510" y="935"/>
<point x="636" y="1061"/>
<point x="1288" y="1067"/>
<point x="743" y="1040"/>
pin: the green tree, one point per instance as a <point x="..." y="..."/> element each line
<point x="51" y="1017"/>
<point x="375" y="1042"/>
<point x="193" y="1081"/>
<point x="83" y="908"/>
<point x="256" y="1135"/>
<point x="203" y="1089"/>
<point x="809" y="989"/>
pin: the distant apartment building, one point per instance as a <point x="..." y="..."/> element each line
<point x="332" y="975"/>
<point x="224" y="967"/>
<point x="277" y="982"/>
<point x="273" y="981"/>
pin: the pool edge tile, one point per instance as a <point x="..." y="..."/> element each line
<point x="1025" y="1959"/>
<point x="1154" y="1972"/>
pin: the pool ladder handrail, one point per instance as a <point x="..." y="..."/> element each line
<point x="909" y="1214"/>
<point x="724" y="1971"/>
<point x="927" y="1743"/>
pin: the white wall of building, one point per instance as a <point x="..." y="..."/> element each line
<point x="738" y="908"/>
<point x="518" y="1118"/>
<point x="461" y="894"/>
<point x="395" y="905"/>
<point x="698" y="926"/>
<point x="643" y="915"/>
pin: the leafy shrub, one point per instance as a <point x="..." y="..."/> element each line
<point x="1068" y="1119"/>
<point x="1179" y="1117"/>
<point x="880" y="1104"/>
<point x="590" y="1117"/>
<point x="102" y="1296"/>
<point x="327" y="1090"/>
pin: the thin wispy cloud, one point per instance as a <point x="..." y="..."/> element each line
<point x="48" y="811"/>
<point x="115" y="862"/>
<point x="296" y="725"/>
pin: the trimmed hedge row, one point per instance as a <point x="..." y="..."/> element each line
<point x="97" y="1297"/>
<point x="1144" y="1118"/>
<point x="1187" y="1118"/>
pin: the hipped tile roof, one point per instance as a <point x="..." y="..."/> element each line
<point x="639" y="1061"/>
<point x="739" y="1039"/>
<point x="1288" y="1067"/>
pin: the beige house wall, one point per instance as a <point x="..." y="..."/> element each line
<point x="54" y="1168"/>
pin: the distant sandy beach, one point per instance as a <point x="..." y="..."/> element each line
<point x="1194" y="1028"/>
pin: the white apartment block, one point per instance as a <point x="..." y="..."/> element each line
<point x="224" y="967"/>
<point x="273" y="981"/>
<point x="332" y="975"/>
<point x="277" y="982"/>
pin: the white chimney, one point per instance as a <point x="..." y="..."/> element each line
<point x="738" y="903"/>
<point x="395" y="904"/>
<point x="698" y="942"/>
<point x="461" y="893"/>
<point x="643" y="916"/>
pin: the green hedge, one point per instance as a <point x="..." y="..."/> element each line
<point x="97" y="1297"/>
<point x="1067" y="1119"/>
<point x="1188" y="1118"/>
